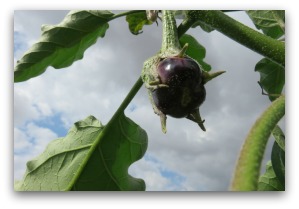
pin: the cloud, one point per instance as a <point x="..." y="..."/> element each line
<point x="24" y="110"/>
<point x="183" y="159"/>
<point x="29" y="142"/>
<point x="156" y="175"/>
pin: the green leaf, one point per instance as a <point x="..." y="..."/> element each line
<point x="205" y="27"/>
<point x="278" y="155"/>
<point x="137" y="21"/>
<point x="278" y="163"/>
<point x="271" y="22"/>
<point x="279" y="137"/>
<point x="61" y="45"/>
<point x="195" y="50"/>
<point x="272" y="77"/>
<point x="90" y="157"/>
<point x="269" y="181"/>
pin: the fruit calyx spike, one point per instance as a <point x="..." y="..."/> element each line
<point x="183" y="51"/>
<point x="195" y="117"/>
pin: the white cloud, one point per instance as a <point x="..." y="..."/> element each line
<point x="24" y="110"/>
<point x="29" y="143"/>
<point x="148" y="171"/>
<point x="21" y="141"/>
<point x="151" y="171"/>
<point x="40" y="136"/>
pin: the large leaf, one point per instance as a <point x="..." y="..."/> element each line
<point x="136" y="22"/>
<point x="91" y="157"/>
<point x="61" y="45"/>
<point x="272" y="77"/>
<point x="278" y="155"/>
<point x="269" y="181"/>
<point x="195" y="50"/>
<point x="271" y="22"/>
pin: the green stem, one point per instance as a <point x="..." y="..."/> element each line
<point x="184" y="26"/>
<point x="249" y="163"/>
<point x="126" y="13"/>
<point x="258" y="42"/>
<point x="170" y="41"/>
<point x="128" y="98"/>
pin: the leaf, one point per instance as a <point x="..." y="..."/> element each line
<point x="278" y="163"/>
<point x="269" y="181"/>
<point x="278" y="155"/>
<point x="205" y="27"/>
<point x="272" y="77"/>
<point x="61" y="45"/>
<point x="90" y="157"/>
<point x="137" y="21"/>
<point x="271" y="22"/>
<point x="195" y="50"/>
<point x="279" y="137"/>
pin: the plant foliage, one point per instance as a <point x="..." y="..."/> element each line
<point x="90" y="157"/>
<point x="61" y="45"/>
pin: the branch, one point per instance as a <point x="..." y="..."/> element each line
<point x="126" y="13"/>
<point x="249" y="163"/>
<point x="258" y="42"/>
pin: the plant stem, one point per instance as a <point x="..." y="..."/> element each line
<point x="184" y="26"/>
<point x="249" y="163"/>
<point x="170" y="41"/>
<point x="258" y="42"/>
<point x="128" y="98"/>
<point x="126" y="13"/>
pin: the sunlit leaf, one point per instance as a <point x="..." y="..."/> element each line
<point x="90" y="157"/>
<point x="268" y="181"/>
<point x="136" y="22"/>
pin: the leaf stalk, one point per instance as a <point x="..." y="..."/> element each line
<point x="258" y="42"/>
<point x="248" y="166"/>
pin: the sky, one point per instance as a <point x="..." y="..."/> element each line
<point x="183" y="159"/>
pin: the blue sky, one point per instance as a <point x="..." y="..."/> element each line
<point x="185" y="158"/>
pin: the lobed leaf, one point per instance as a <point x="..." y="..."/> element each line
<point x="61" y="45"/>
<point x="195" y="50"/>
<point x="268" y="181"/>
<point x="271" y="22"/>
<point x="272" y="77"/>
<point x="91" y="157"/>
<point x="136" y="22"/>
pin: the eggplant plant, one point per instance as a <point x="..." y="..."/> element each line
<point x="96" y="157"/>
